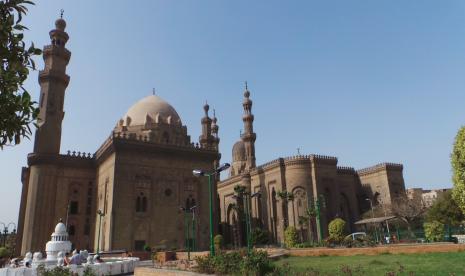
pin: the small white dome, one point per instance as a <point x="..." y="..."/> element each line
<point x="60" y="228"/>
<point x="152" y="106"/>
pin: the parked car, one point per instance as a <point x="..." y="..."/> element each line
<point x="357" y="235"/>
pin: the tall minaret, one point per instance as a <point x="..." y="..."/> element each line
<point x="53" y="82"/>
<point x="215" y="127"/>
<point x="205" y="139"/>
<point x="248" y="137"/>
<point x="42" y="207"/>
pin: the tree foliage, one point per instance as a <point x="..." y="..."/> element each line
<point x="291" y="237"/>
<point x="434" y="231"/>
<point x="445" y="210"/>
<point x="17" y="110"/>
<point x="458" y="168"/>
<point x="408" y="211"/>
<point x="336" y="228"/>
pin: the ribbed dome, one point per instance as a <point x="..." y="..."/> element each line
<point x="238" y="151"/>
<point x="60" y="228"/>
<point x="154" y="107"/>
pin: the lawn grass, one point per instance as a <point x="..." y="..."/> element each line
<point x="451" y="263"/>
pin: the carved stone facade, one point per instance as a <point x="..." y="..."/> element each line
<point x="139" y="177"/>
<point x="307" y="177"/>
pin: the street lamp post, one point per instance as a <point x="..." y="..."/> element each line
<point x="199" y="173"/>
<point x="100" y="214"/>
<point x="248" y="222"/>
<point x="319" y="202"/>
<point x="186" y="227"/>
<point x="5" y="231"/>
<point x="373" y="218"/>
<point x="387" y="221"/>
<point x="189" y="245"/>
<point x="192" y="209"/>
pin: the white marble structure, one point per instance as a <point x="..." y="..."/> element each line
<point x="58" y="243"/>
<point x="56" y="249"/>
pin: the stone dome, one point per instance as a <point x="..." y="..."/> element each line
<point x="238" y="151"/>
<point x="60" y="228"/>
<point x="151" y="108"/>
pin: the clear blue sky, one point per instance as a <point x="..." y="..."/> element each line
<point x="366" y="81"/>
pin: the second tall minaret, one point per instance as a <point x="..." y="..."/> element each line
<point x="248" y="137"/>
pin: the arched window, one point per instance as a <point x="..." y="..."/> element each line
<point x="144" y="204"/>
<point x="138" y="204"/>
<point x="166" y="137"/>
<point x="190" y="202"/>
<point x="72" y="230"/>
<point x="141" y="203"/>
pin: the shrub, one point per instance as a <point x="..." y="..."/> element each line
<point x="56" y="271"/>
<point x="333" y="241"/>
<point x="291" y="237"/>
<point x="88" y="271"/>
<point x="147" y="248"/>
<point x="4" y="252"/>
<point x="218" y="241"/>
<point x="434" y="231"/>
<point x="259" y="236"/>
<point x="255" y="263"/>
<point x="205" y="264"/>
<point x="336" y="228"/>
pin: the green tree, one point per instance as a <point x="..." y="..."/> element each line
<point x="17" y="110"/>
<point x="445" y="210"/>
<point x="336" y="228"/>
<point x="310" y="215"/>
<point x="285" y="197"/>
<point x="434" y="231"/>
<point x="458" y="168"/>
<point x="291" y="237"/>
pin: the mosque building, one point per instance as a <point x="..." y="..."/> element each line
<point x="129" y="192"/>
<point x="306" y="181"/>
<point x="138" y="178"/>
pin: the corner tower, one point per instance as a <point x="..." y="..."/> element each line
<point x="53" y="81"/>
<point x="248" y="137"/>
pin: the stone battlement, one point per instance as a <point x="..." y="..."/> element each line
<point x="380" y="167"/>
<point x="345" y="170"/>
<point x="78" y="154"/>
<point x="148" y="139"/>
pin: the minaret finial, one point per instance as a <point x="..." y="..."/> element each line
<point x="61" y="13"/>
<point x="214" y="115"/>
<point x="246" y="85"/>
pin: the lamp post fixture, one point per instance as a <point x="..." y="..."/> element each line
<point x="387" y="221"/>
<point x="373" y="218"/>
<point x="200" y="173"/>
<point x="189" y="245"/>
<point x="192" y="209"/>
<point x="5" y="231"/>
<point x="100" y="214"/>
<point x="186" y="230"/>
<point x="248" y="223"/>
<point x="319" y="202"/>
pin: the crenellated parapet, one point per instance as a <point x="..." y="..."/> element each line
<point x="345" y="170"/>
<point x="153" y="139"/>
<point x="323" y="159"/>
<point x="380" y="167"/>
<point x="78" y="154"/>
<point x="297" y="160"/>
